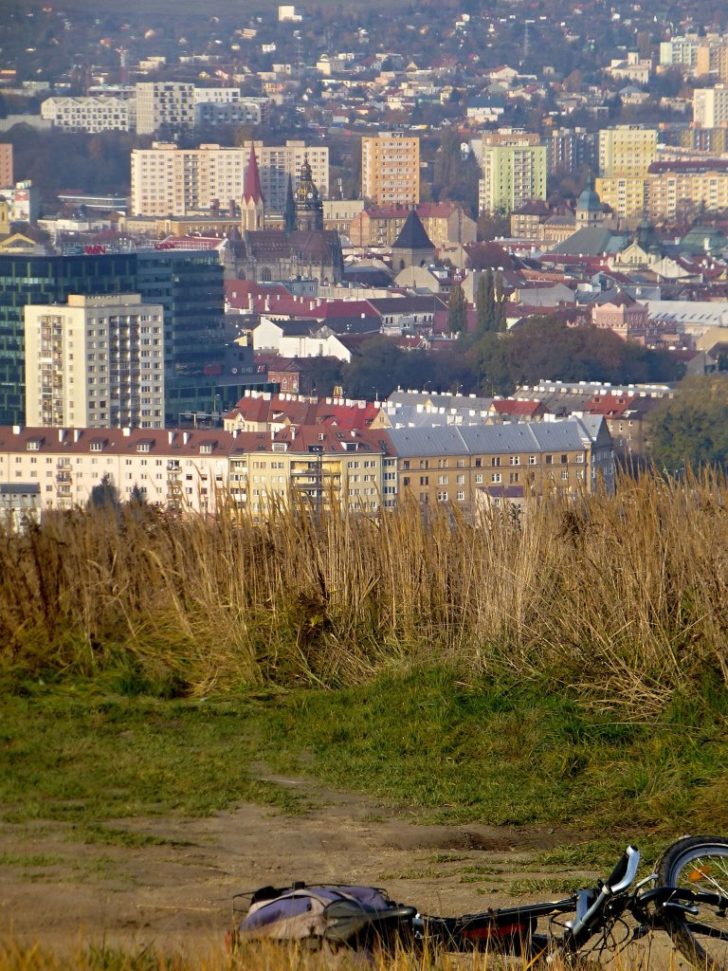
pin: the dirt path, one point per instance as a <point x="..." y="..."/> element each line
<point x="176" y="889"/>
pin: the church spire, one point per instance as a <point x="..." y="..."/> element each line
<point x="253" y="204"/>
<point x="289" y="213"/>
<point x="252" y="191"/>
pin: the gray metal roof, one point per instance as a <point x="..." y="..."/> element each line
<point x="570" y="435"/>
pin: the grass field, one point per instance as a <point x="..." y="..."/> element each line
<point x="450" y="751"/>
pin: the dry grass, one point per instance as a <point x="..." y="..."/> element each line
<point x="267" y="957"/>
<point x="624" y="599"/>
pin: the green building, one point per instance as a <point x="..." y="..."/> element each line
<point x="512" y="174"/>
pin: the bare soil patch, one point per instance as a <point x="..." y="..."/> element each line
<point x="61" y="885"/>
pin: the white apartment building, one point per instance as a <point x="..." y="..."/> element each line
<point x="90" y="114"/>
<point x="710" y="107"/>
<point x="390" y="169"/>
<point x="95" y="362"/>
<point x="196" y="470"/>
<point x="164" y="104"/>
<point x="226" y="106"/>
<point x="167" y="180"/>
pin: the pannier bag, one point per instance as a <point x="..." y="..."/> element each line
<point x="349" y="915"/>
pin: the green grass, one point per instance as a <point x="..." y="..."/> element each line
<point x="487" y="751"/>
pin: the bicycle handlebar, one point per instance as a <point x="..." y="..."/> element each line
<point x="625" y="871"/>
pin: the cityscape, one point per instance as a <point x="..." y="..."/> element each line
<point x="363" y="453"/>
<point x="286" y="207"/>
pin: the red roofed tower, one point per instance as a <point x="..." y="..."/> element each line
<point x="253" y="204"/>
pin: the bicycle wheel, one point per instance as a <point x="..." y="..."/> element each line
<point x="699" y="863"/>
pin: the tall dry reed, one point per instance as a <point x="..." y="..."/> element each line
<point x="624" y="598"/>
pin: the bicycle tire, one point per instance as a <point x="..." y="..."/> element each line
<point x="698" y="863"/>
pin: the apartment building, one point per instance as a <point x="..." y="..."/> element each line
<point x="710" y="107"/>
<point x="627" y="197"/>
<point x="680" y="51"/>
<point x="90" y="114"/>
<point x="187" y="283"/>
<point x="164" y="105"/>
<point x="167" y="180"/>
<point x="239" y="111"/>
<point x="466" y="465"/>
<point x="626" y="151"/>
<point x="197" y="470"/>
<point x="6" y="163"/>
<point x="390" y="169"/>
<point x="513" y="173"/>
<point x="95" y="362"/>
<point x="571" y="149"/>
<point x="683" y="188"/>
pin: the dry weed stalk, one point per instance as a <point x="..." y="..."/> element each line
<point x="624" y="598"/>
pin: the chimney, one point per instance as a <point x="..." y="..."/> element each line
<point x="16" y="429"/>
<point x="61" y="434"/>
<point x="185" y="437"/>
<point x="76" y="434"/>
<point x="126" y="432"/>
<point x="170" y="437"/>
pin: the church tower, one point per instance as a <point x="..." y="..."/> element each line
<point x="309" y="206"/>
<point x="252" y="208"/>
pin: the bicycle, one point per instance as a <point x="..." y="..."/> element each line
<point x="686" y="896"/>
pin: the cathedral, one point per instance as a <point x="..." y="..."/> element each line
<point x="303" y="248"/>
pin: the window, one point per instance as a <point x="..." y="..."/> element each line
<point x="531" y="459"/>
<point x="461" y="497"/>
<point x="564" y="459"/>
<point x="424" y="480"/>
<point x="565" y="474"/>
<point x="549" y="459"/>
<point x="496" y="477"/>
<point x="515" y="460"/>
<point x="442" y="497"/>
<point x="495" y="460"/>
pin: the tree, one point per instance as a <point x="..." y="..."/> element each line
<point x="457" y="310"/>
<point x="484" y="300"/>
<point x="105" y="495"/>
<point x="691" y="429"/>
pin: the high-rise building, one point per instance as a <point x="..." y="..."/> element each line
<point x="164" y="105"/>
<point x="710" y="107"/>
<point x="166" y="180"/>
<point x="6" y="164"/>
<point x="571" y="149"/>
<point x="626" y="151"/>
<point x="390" y="169"/>
<point x="187" y="283"/>
<point x="513" y="173"/>
<point x="95" y="362"/>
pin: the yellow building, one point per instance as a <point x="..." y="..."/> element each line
<point x="625" y="196"/>
<point x="680" y="189"/>
<point x="626" y="151"/>
<point x="390" y="169"/>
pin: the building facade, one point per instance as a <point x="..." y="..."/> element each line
<point x="95" y="362"/>
<point x="390" y="169"/>
<point x="167" y="180"/>
<point x="512" y="174"/>
<point x="90" y="114"/>
<point x="626" y="151"/>
<point x="710" y="107"/>
<point x="168" y="105"/>
<point x="188" y="284"/>
<point x="6" y="164"/>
